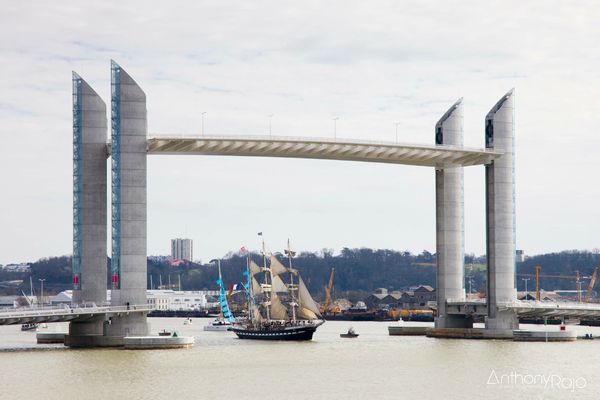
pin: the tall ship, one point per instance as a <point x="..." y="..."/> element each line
<point x="280" y="306"/>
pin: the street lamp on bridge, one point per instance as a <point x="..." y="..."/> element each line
<point x="335" y="127"/>
<point x="525" y="280"/>
<point x="42" y="291"/>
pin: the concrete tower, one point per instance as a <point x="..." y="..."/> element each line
<point x="89" y="204"/>
<point x="500" y="212"/>
<point x="128" y="263"/>
<point x="449" y="192"/>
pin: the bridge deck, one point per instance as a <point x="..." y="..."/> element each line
<point x="65" y="314"/>
<point x="529" y="308"/>
<point x="319" y="148"/>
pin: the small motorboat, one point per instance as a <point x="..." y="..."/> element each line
<point x="188" y="321"/>
<point x="164" y="332"/>
<point x="31" y="326"/>
<point x="218" y="325"/>
<point x="350" y="334"/>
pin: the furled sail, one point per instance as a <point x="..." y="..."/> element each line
<point x="278" y="310"/>
<point x="276" y="267"/>
<point x="278" y="285"/>
<point x="306" y="301"/>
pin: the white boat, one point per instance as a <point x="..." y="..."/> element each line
<point x="188" y="321"/>
<point x="218" y="325"/>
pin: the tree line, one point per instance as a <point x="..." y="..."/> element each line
<point x="357" y="270"/>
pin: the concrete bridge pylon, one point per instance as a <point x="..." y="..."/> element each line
<point x="450" y="238"/>
<point x="89" y="208"/>
<point x="500" y="218"/>
<point x="129" y="131"/>
<point x="128" y="210"/>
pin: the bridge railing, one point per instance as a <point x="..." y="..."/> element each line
<point x="76" y="309"/>
<point x="554" y="304"/>
<point x="531" y="304"/>
<point x="469" y="301"/>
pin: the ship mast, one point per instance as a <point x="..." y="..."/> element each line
<point x="250" y="293"/>
<point x="221" y="316"/>
<point x="292" y="288"/>
<point x="219" y="267"/>
<point x="267" y="285"/>
<point x="218" y="261"/>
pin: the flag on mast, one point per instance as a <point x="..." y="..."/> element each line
<point x="234" y="287"/>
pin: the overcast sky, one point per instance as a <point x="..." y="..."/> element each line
<point x="371" y="64"/>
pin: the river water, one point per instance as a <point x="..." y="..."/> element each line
<point x="372" y="366"/>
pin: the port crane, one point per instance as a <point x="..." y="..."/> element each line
<point x="328" y="290"/>
<point x="588" y="293"/>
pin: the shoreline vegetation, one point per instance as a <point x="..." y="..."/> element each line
<point x="357" y="271"/>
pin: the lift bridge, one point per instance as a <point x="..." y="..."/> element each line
<point x="129" y="144"/>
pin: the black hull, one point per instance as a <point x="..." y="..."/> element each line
<point x="295" y="333"/>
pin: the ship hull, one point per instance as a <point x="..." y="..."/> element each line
<point x="292" y="333"/>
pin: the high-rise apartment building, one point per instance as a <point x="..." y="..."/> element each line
<point x="182" y="249"/>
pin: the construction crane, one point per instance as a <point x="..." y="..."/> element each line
<point x="588" y="293"/>
<point x="328" y="289"/>
<point x="577" y="279"/>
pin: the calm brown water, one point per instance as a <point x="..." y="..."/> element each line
<point x="373" y="366"/>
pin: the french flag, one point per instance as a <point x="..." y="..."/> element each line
<point x="235" y="286"/>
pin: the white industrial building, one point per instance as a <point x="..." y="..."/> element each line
<point x="164" y="300"/>
<point x="16" y="267"/>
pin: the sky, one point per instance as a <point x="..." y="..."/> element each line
<point x="370" y="64"/>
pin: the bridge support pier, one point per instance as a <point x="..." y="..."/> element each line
<point x="128" y="262"/>
<point x="500" y="218"/>
<point x="91" y="333"/>
<point x="449" y="193"/>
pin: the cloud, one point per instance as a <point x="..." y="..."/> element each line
<point x="370" y="64"/>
